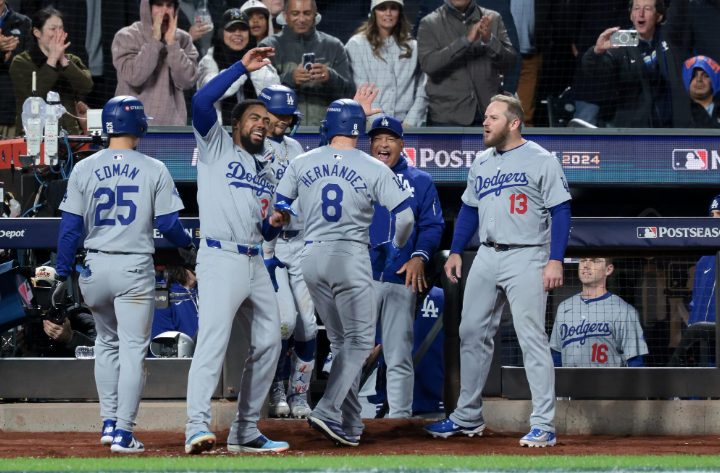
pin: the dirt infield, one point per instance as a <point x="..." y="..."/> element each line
<point x="383" y="436"/>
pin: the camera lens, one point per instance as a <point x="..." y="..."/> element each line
<point x="624" y="38"/>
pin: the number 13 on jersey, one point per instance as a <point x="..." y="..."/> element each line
<point x="518" y="203"/>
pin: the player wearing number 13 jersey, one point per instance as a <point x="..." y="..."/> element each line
<point x="517" y="198"/>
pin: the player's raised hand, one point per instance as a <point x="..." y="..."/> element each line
<point x="453" y="266"/>
<point x="414" y="271"/>
<point x="365" y="95"/>
<point x="279" y="218"/>
<point x="552" y="275"/>
<point x="257" y="58"/>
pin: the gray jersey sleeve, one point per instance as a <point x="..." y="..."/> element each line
<point x="288" y="185"/>
<point x="73" y="201"/>
<point x="630" y="334"/>
<point x="555" y="343"/>
<point x="469" y="197"/>
<point x="212" y="146"/>
<point x="553" y="184"/>
<point x="389" y="191"/>
<point x="167" y="198"/>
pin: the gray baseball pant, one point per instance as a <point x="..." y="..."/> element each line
<point x="339" y="277"/>
<point x="396" y="307"/>
<point x="230" y="285"/>
<point x="495" y="277"/>
<point x="120" y="292"/>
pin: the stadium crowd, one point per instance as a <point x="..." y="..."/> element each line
<point x="441" y="72"/>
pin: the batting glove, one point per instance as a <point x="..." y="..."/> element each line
<point x="388" y="253"/>
<point x="189" y="255"/>
<point x="272" y="264"/>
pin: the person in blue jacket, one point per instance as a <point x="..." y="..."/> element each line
<point x="702" y="307"/>
<point x="395" y="288"/>
<point x="181" y="315"/>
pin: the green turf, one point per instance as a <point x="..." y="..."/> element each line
<point x="327" y="462"/>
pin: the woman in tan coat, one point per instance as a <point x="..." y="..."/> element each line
<point x="56" y="70"/>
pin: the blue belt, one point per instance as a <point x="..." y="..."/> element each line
<point x="289" y="234"/>
<point x="243" y="250"/>
<point x="110" y="252"/>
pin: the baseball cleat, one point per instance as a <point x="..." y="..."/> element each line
<point x="538" y="438"/>
<point x="278" y="403"/>
<point x="108" y="432"/>
<point x="448" y="428"/>
<point x="299" y="407"/>
<point x="200" y="442"/>
<point x="333" y="431"/>
<point x="125" y="442"/>
<point x="260" y="445"/>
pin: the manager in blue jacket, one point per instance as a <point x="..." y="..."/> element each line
<point x="395" y="288"/>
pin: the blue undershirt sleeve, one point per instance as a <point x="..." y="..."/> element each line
<point x="636" y="361"/>
<point x="560" y="231"/>
<point x="557" y="358"/>
<point x="466" y="226"/>
<point x="71" y="230"/>
<point x="173" y="231"/>
<point x="203" y="102"/>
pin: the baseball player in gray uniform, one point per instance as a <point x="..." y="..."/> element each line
<point x="513" y="189"/>
<point x="282" y="258"/>
<point x="337" y="186"/>
<point x="114" y="196"/>
<point x="596" y="327"/>
<point x="235" y="187"/>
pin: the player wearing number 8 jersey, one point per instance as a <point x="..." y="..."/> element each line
<point x="518" y="196"/>
<point x="337" y="187"/>
<point x="115" y="194"/>
<point x="595" y="327"/>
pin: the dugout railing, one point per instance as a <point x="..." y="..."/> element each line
<point x="599" y="237"/>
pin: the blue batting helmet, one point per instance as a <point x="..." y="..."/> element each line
<point x="125" y="114"/>
<point x="344" y="117"/>
<point x="281" y="100"/>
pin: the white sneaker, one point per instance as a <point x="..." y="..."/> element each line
<point x="278" y="404"/>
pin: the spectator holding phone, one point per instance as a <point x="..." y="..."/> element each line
<point x="382" y="51"/>
<point x="14" y="39"/>
<point x="646" y="78"/>
<point x="317" y="80"/>
<point x="156" y="61"/>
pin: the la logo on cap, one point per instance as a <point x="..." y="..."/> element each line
<point x="290" y="100"/>
<point x="384" y="122"/>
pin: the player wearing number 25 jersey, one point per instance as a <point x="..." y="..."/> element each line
<point x="517" y="199"/>
<point x="595" y="327"/>
<point x="115" y="194"/>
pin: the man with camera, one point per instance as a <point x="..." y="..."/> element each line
<point x="312" y="63"/>
<point x="644" y="67"/>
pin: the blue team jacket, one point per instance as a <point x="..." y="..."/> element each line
<point x="702" y="307"/>
<point x="180" y="316"/>
<point x="429" y="223"/>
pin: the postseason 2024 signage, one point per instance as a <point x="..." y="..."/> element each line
<point x="587" y="159"/>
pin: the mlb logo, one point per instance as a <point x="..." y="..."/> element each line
<point x="118" y="156"/>
<point x="410" y="155"/>
<point x="690" y="159"/>
<point x="337" y="156"/>
<point x="127" y="108"/>
<point x="647" y="232"/>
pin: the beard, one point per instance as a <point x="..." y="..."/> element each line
<point x="248" y="145"/>
<point x="497" y="139"/>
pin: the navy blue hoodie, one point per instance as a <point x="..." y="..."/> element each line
<point x="429" y="223"/>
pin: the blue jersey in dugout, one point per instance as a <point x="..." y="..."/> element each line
<point x="702" y="307"/>
<point x="429" y="373"/>
<point x="425" y="205"/>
